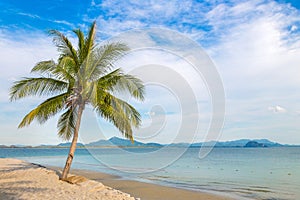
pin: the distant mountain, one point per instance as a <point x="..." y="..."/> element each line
<point x="68" y="144"/>
<point x="46" y="146"/>
<point x="115" y="141"/>
<point x="254" y="144"/>
<point x="100" y="143"/>
<point x="241" y="143"/>
<point x="269" y="143"/>
<point x="235" y="143"/>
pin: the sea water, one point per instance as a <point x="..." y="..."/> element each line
<point x="243" y="173"/>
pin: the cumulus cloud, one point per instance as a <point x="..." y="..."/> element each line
<point x="18" y="56"/>
<point x="186" y="16"/>
<point x="256" y="49"/>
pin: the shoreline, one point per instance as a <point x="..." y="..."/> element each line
<point x="24" y="180"/>
<point x="143" y="190"/>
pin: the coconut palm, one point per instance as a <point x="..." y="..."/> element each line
<point x="82" y="76"/>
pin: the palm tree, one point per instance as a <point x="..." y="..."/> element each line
<point x="81" y="76"/>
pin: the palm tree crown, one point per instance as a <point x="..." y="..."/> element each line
<point x="81" y="76"/>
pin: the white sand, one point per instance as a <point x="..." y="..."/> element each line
<point x="22" y="180"/>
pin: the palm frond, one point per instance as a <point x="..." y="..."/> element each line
<point x="44" y="67"/>
<point x="66" y="123"/>
<point x="118" y="81"/>
<point x="117" y="118"/>
<point x="45" y="110"/>
<point x="81" y="44"/>
<point x="131" y="84"/>
<point x="36" y="86"/>
<point x="80" y="37"/>
<point x="64" y="45"/>
<point x="89" y="40"/>
<point x="117" y="111"/>
<point x="66" y="68"/>
<point x="103" y="58"/>
<point x="128" y="110"/>
<point x="109" y="80"/>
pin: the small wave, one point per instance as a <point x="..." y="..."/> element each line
<point x="254" y="190"/>
<point x="262" y="187"/>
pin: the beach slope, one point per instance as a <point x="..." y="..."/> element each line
<point x="22" y="180"/>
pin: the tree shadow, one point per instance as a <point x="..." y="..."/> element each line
<point x="20" y="166"/>
<point x="11" y="188"/>
<point x="10" y="191"/>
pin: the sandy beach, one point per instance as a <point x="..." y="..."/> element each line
<point x="23" y="180"/>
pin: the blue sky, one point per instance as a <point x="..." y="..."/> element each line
<point x="254" y="44"/>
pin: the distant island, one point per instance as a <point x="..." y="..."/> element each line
<point x="255" y="144"/>
<point x="119" y="142"/>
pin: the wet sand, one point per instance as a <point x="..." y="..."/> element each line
<point x="147" y="191"/>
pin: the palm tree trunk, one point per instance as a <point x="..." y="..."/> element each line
<point x="69" y="160"/>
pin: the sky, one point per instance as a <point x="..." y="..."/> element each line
<point x="254" y="46"/>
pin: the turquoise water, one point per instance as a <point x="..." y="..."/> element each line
<point x="249" y="173"/>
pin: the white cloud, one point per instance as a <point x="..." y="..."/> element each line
<point x="19" y="53"/>
<point x="294" y="28"/>
<point x="277" y="109"/>
<point x="125" y="15"/>
<point x="19" y="56"/>
<point x="257" y="51"/>
<point x="29" y="15"/>
<point x="64" y="22"/>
